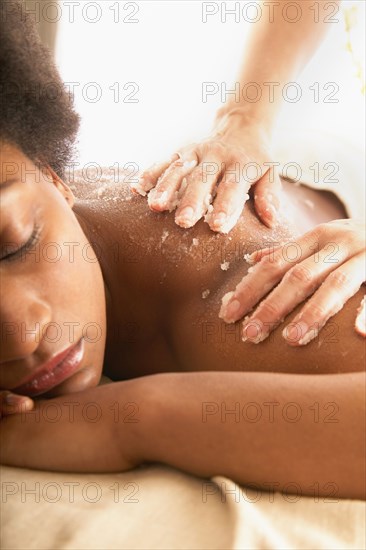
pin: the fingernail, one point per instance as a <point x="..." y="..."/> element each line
<point x="297" y="332"/>
<point x="270" y="215"/>
<point x="185" y="217"/>
<point x="219" y="219"/>
<point x="253" y="330"/>
<point x="360" y="323"/>
<point x="13" y="399"/>
<point x="231" y="310"/>
<point x="138" y="187"/>
<point x="189" y="164"/>
<point x="157" y="199"/>
<point x="226" y="299"/>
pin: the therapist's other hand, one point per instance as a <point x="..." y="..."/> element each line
<point x="212" y="178"/>
<point x="327" y="263"/>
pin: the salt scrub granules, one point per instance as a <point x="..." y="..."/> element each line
<point x="248" y="259"/>
<point x="205" y="293"/>
<point x="164" y="235"/>
<point x="224" y="302"/>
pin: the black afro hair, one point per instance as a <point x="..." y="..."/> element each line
<point x="36" y="110"/>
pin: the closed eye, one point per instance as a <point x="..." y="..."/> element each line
<point x="24" y="248"/>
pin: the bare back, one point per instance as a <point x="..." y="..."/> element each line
<point x="166" y="285"/>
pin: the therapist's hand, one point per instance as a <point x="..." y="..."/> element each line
<point x="328" y="263"/>
<point x="212" y="178"/>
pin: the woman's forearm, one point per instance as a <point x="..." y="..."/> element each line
<point x="301" y="434"/>
<point x="89" y="431"/>
<point x="292" y="433"/>
<point x="280" y="44"/>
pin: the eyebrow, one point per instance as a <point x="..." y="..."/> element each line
<point x="7" y="183"/>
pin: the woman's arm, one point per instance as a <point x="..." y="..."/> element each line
<point x="288" y="430"/>
<point x="89" y="431"/>
<point x="300" y="434"/>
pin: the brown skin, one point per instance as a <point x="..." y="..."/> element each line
<point x="39" y="291"/>
<point x="161" y="295"/>
<point x="157" y="322"/>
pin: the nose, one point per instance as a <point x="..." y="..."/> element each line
<point x="23" y="320"/>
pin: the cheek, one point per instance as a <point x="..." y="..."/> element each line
<point x="76" y="295"/>
<point x="71" y="272"/>
<point x="70" y="267"/>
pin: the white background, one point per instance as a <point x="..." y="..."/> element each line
<point x="169" y="53"/>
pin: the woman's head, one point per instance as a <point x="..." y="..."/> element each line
<point x="36" y="112"/>
<point x="52" y="290"/>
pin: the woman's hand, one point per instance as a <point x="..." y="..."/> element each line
<point x="328" y="263"/>
<point x="11" y="403"/>
<point x="213" y="177"/>
<point x="95" y="430"/>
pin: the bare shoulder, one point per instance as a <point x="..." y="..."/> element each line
<point x="99" y="184"/>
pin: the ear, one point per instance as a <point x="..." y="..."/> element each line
<point x="61" y="186"/>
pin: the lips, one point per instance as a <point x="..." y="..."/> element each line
<point x="55" y="371"/>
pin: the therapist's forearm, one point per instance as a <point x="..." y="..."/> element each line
<point x="276" y="52"/>
<point x="291" y="433"/>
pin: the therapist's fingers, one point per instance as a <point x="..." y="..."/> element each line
<point x="267" y="197"/>
<point x="271" y="264"/>
<point x="336" y="290"/>
<point x="147" y="180"/>
<point x="11" y="403"/>
<point x="297" y="284"/>
<point x="197" y="196"/>
<point x="360" y="324"/>
<point x="232" y="193"/>
<point x="165" y="195"/>
<point x="257" y="255"/>
<point x="259" y="280"/>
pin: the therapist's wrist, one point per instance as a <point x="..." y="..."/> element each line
<point x="238" y="118"/>
<point x="237" y="125"/>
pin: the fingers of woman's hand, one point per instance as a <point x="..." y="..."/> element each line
<point x="267" y="198"/>
<point x="360" y="324"/>
<point x="340" y="285"/>
<point x="232" y="193"/>
<point x="149" y="177"/>
<point x="11" y="403"/>
<point x="166" y="194"/>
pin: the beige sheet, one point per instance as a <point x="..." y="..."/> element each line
<point x="159" y="507"/>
